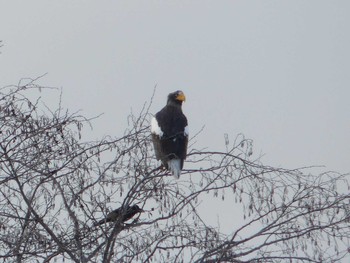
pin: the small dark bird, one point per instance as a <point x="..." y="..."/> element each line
<point x="124" y="213"/>
<point x="170" y="134"/>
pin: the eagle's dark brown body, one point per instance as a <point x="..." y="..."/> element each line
<point x="170" y="134"/>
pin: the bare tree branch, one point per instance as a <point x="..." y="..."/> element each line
<point x="54" y="186"/>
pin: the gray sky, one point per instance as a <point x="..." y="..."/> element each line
<point x="277" y="71"/>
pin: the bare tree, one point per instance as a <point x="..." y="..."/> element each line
<point x="55" y="187"/>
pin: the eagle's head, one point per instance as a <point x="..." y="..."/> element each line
<point x="176" y="98"/>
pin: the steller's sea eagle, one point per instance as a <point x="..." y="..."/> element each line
<point x="170" y="134"/>
<point x="124" y="213"/>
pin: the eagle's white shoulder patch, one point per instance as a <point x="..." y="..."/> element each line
<point x="155" y="129"/>
<point x="186" y="131"/>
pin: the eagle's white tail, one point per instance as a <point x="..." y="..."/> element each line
<point x="175" y="167"/>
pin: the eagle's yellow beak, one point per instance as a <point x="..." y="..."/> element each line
<point x="181" y="96"/>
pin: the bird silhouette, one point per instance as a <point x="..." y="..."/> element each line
<point x="170" y="134"/>
<point x="121" y="213"/>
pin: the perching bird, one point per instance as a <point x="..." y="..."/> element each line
<point x="125" y="214"/>
<point x="170" y="134"/>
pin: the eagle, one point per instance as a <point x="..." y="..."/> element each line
<point x="169" y="131"/>
<point x="123" y="213"/>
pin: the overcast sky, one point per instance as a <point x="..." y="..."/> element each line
<point x="276" y="71"/>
